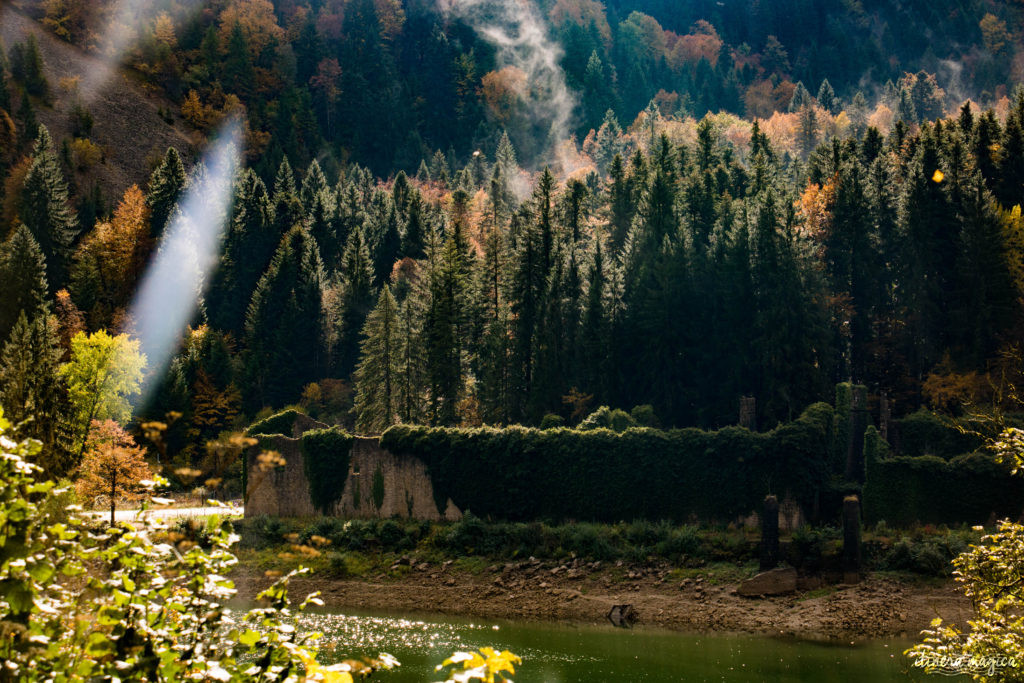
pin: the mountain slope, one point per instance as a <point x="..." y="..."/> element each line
<point x="126" y="123"/>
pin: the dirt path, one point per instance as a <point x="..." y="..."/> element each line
<point x="877" y="607"/>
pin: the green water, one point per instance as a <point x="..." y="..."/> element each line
<point x="564" y="653"/>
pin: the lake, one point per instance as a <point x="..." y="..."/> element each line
<point x="556" y="653"/>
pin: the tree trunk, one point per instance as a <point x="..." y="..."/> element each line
<point x="113" y="490"/>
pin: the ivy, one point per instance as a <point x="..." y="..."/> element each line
<point x="377" y="491"/>
<point x="600" y="475"/>
<point x="279" y="423"/>
<point x="325" y="456"/>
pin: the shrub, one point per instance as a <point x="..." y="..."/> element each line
<point x="644" y="416"/>
<point x="551" y="421"/>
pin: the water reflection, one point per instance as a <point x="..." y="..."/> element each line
<point x="555" y="653"/>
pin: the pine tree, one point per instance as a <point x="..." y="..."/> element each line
<point x="165" y="187"/>
<point x="447" y="279"/>
<point x="23" y="272"/>
<point x="827" y="98"/>
<point x="314" y="183"/>
<point x="28" y="127"/>
<point x="284" y="323"/>
<point x="249" y="247"/>
<point x="237" y="69"/>
<point x="357" y="297"/>
<point x="288" y="210"/>
<point x="378" y="375"/>
<point x="608" y="143"/>
<point x="45" y="210"/>
<point x="412" y="378"/>
<point x="34" y="395"/>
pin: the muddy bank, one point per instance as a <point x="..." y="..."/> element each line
<point x="877" y="607"/>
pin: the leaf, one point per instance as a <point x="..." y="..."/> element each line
<point x="249" y="638"/>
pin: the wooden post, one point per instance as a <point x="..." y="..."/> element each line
<point x="851" y="539"/>
<point x="770" y="533"/>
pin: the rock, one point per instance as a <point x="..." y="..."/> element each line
<point x="773" y="582"/>
<point x="450" y="581"/>
<point x="446" y="564"/>
<point x="543" y="584"/>
<point x="423" y="566"/>
<point x="622" y="616"/>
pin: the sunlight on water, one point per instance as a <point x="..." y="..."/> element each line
<point x="553" y="653"/>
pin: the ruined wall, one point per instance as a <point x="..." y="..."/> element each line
<point x="379" y="484"/>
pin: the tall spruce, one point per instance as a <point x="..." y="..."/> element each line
<point x="45" y="209"/>
<point x="165" y="187"/>
<point x="378" y="375"/>
<point x="284" y="323"/>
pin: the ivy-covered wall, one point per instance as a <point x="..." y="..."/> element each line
<point x="524" y="474"/>
<point x="927" y="489"/>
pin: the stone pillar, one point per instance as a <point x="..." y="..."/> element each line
<point x="858" y="423"/>
<point x="748" y="413"/>
<point x="884" y="416"/>
<point x="770" y="533"/>
<point x="851" y="539"/>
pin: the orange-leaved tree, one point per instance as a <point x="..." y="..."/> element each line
<point x="112" y="465"/>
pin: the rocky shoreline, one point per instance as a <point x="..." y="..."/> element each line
<point x="584" y="592"/>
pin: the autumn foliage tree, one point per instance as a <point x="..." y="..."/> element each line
<point x="112" y="465"/>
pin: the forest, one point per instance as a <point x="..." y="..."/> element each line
<point x="647" y="207"/>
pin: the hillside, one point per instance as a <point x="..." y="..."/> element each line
<point x="126" y="124"/>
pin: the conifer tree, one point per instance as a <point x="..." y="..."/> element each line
<point x="28" y="127"/>
<point x="33" y="393"/>
<point x="314" y="183"/>
<point x="45" y="210"/>
<point x="165" y="187"/>
<point x="378" y="375"/>
<point x="284" y="323"/>
<point x="607" y="142"/>
<point x="23" y="272"/>
<point x="447" y="279"/>
<point x="249" y="247"/>
<point x="357" y="298"/>
<point x="288" y="210"/>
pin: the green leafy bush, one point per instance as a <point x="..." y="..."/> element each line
<point x="552" y="421"/>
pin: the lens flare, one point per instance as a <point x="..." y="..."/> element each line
<point x="177" y="275"/>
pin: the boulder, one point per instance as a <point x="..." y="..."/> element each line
<point x="774" y="582"/>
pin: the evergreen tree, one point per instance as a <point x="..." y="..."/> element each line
<point x="237" y="69"/>
<point x="357" y="298"/>
<point x="284" y="323"/>
<point x="248" y="250"/>
<point x="45" y="210"/>
<point x="608" y="144"/>
<point x="827" y="98"/>
<point x="288" y="210"/>
<point x="23" y="272"/>
<point x="447" y="278"/>
<point x="165" y="187"/>
<point x="378" y="375"/>
<point x="33" y="393"/>
<point x="28" y="127"/>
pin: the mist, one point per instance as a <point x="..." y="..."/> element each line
<point x="176" y="278"/>
<point x="520" y="35"/>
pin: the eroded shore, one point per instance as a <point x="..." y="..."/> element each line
<point x="879" y="606"/>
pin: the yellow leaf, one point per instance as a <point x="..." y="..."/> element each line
<point x="938" y="176"/>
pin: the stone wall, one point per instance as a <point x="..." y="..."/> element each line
<point x="402" y="489"/>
